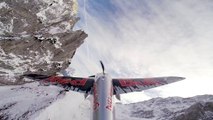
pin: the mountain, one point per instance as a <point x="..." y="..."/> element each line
<point x="36" y="36"/>
<point x="173" y="108"/>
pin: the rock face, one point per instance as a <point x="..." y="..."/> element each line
<point x="197" y="111"/>
<point x="36" y="37"/>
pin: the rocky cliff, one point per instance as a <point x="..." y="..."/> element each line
<point x="36" y="36"/>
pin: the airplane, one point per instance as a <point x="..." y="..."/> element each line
<point x="102" y="87"/>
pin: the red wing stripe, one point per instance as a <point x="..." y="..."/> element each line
<point x="63" y="81"/>
<point x="145" y="82"/>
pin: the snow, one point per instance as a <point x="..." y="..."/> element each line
<point x="3" y="5"/>
<point x="26" y="1"/>
<point x="58" y="44"/>
<point x="19" y="63"/>
<point x="59" y="12"/>
<point x="73" y="106"/>
<point x="25" y="22"/>
<point x="12" y="60"/>
<point x="66" y="28"/>
<point x="55" y="30"/>
<point x="162" y="108"/>
<point x="47" y="57"/>
<point x="6" y="27"/>
<point x="27" y="99"/>
<point x="58" y="9"/>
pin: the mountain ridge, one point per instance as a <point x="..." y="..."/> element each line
<point x="173" y="108"/>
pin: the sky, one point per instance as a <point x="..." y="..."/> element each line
<point x="148" y="38"/>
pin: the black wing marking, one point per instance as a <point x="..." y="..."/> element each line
<point x="121" y="86"/>
<point x="78" y="84"/>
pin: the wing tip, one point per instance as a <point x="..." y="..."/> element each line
<point x="175" y="78"/>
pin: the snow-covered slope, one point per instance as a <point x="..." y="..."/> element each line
<point x="173" y="108"/>
<point x="26" y="101"/>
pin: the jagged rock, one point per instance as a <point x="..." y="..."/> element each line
<point x="36" y="37"/>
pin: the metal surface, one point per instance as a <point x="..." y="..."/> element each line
<point x="103" y="92"/>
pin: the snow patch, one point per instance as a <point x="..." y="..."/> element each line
<point x="22" y="102"/>
<point x="64" y="27"/>
<point x="57" y="44"/>
<point x="54" y="30"/>
<point x="73" y="105"/>
<point x="21" y="64"/>
<point x="3" y="5"/>
<point x="54" y="12"/>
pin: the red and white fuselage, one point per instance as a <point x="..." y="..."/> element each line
<point x="102" y="87"/>
<point x="102" y="94"/>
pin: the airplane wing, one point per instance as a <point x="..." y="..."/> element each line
<point x="138" y="84"/>
<point x="83" y="85"/>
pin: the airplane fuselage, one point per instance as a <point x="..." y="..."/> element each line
<point x="102" y="93"/>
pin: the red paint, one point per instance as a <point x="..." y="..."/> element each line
<point x="145" y="82"/>
<point x="109" y="103"/>
<point x="95" y="101"/>
<point x="60" y="80"/>
<point x="127" y="83"/>
<point x="109" y="100"/>
<point x="148" y="82"/>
